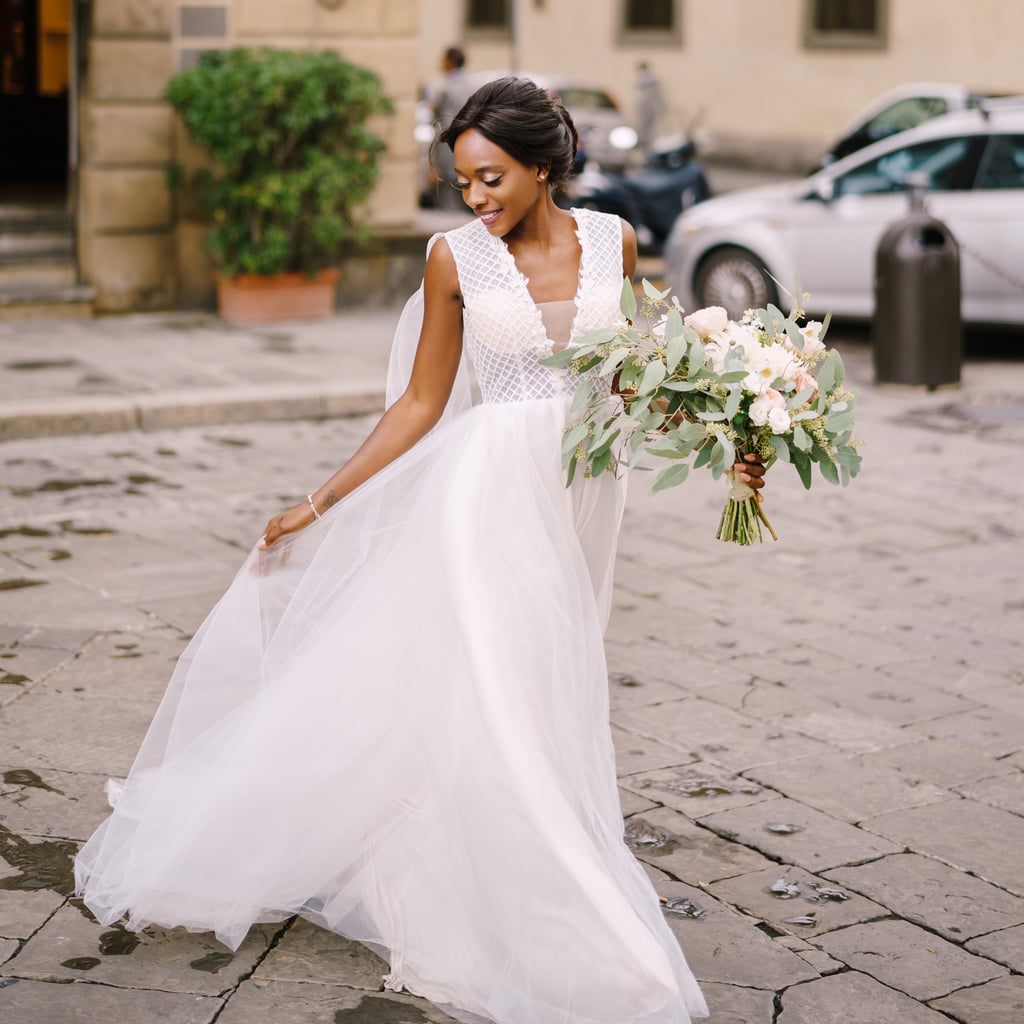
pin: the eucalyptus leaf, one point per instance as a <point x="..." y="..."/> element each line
<point x="627" y="300"/>
<point x="839" y="422"/>
<point x="670" y="477"/>
<point x="711" y="417"/>
<point x="800" y="398"/>
<point x="678" y="385"/>
<point x="573" y="436"/>
<point x="563" y="358"/>
<point x="827" y="375"/>
<point x="803" y="467"/>
<point x="732" y="404"/>
<point x="829" y="471"/>
<point x="703" y="457"/>
<point x="696" y="359"/>
<point x="652" y="293"/>
<point x="654" y="374"/>
<point x="675" y="350"/>
<point x="780" y="446"/>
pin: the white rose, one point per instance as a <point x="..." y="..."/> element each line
<point x="779" y="421"/>
<point x="812" y="337"/>
<point x="707" y="321"/>
<point x="762" y="406"/>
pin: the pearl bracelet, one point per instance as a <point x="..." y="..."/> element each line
<point x="309" y="498"/>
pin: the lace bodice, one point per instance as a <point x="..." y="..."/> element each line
<point x="504" y="330"/>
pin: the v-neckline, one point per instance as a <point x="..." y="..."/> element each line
<point x="525" y="282"/>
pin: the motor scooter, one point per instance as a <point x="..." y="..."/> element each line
<point x="650" y="195"/>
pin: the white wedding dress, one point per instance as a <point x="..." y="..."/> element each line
<point x="395" y="722"/>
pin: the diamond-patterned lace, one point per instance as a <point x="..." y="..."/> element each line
<point x="504" y="332"/>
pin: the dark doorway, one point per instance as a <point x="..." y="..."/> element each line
<point x="35" y="88"/>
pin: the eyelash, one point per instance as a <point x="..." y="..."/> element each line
<point x="463" y="185"/>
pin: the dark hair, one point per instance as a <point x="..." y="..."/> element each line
<point x="455" y="56"/>
<point x="525" y="121"/>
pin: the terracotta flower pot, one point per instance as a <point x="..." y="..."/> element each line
<point x="262" y="299"/>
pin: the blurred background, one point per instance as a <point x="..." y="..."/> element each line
<point x="678" y="101"/>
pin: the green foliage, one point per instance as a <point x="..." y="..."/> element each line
<point x="294" y="159"/>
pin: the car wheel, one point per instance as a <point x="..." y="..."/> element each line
<point x="734" y="279"/>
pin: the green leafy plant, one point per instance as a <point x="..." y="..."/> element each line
<point x="293" y="157"/>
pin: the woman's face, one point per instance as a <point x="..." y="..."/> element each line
<point x="495" y="186"/>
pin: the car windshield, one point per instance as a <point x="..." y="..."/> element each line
<point x="1002" y="166"/>
<point x="907" y="113"/>
<point x="586" y="99"/>
<point x="940" y="161"/>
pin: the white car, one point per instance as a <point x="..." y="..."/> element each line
<point x="899" y="109"/>
<point x="820" y="234"/>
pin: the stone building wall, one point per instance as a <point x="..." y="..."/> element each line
<point x="744" y="71"/>
<point x="139" y="244"/>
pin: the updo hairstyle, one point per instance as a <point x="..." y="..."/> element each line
<point x="521" y="118"/>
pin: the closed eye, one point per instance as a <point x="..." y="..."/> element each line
<point x="463" y="185"/>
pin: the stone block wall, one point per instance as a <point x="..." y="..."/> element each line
<point x="125" y="210"/>
<point x="139" y="244"/>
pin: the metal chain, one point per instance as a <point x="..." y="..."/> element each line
<point x="1017" y="282"/>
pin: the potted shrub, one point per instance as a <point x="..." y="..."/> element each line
<point x="293" y="162"/>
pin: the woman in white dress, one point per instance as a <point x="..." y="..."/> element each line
<point x="395" y="721"/>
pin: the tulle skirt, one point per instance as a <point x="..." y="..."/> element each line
<point x="395" y="724"/>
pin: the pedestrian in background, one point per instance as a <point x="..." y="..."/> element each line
<point x="650" y="106"/>
<point x="454" y="92"/>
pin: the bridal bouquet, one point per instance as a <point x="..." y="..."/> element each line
<point x="710" y="388"/>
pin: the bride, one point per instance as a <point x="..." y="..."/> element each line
<point x="395" y="721"/>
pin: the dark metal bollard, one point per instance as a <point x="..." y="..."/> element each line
<point x="916" y="333"/>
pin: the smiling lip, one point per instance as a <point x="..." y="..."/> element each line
<point x="489" y="216"/>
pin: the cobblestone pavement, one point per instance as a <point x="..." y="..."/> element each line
<point x="821" y="741"/>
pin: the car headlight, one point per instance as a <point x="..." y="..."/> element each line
<point x="623" y="137"/>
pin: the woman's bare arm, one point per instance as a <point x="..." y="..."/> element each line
<point x="415" y="413"/>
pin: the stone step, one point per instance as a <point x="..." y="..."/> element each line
<point x="28" y="218"/>
<point x="46" y="303"/>
<point x="35" y="272"/>
<point x="17" y="246"/>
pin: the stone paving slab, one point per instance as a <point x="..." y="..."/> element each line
<point x="908" y="958"/>
<point x="672" y="843"/>
<point x="847" y="786"/>
<point x="635" y="753"/>
<point x="308" y="953"/>
<point x="72" y="946"/>
<point x="930" y="893"/>
<point x="716" y="734"/>
<point x="943" y="762"/>
<point x="293" y="1002"/>
<point x="1005" y="947"/>
<point x="1003" y="791"/>
<point x="994" y="731"/>
<point x="852" y="998"/>
<point x="806" y="907"/>
<point x="39" y="1002"/>
<point x="731" y="1004"/>
<point x="698" y="788"/>
<point x="22" y="912"/>
<point x="724" y="946"/>
<point x="849" y="730"/>
<point x="817" y="841"/>
<point x="966" y="834"/>
<point x="51" y="803"/>
<point x="998" y="1002"/>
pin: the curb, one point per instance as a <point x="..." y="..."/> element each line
<point x="171" y="410"/>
